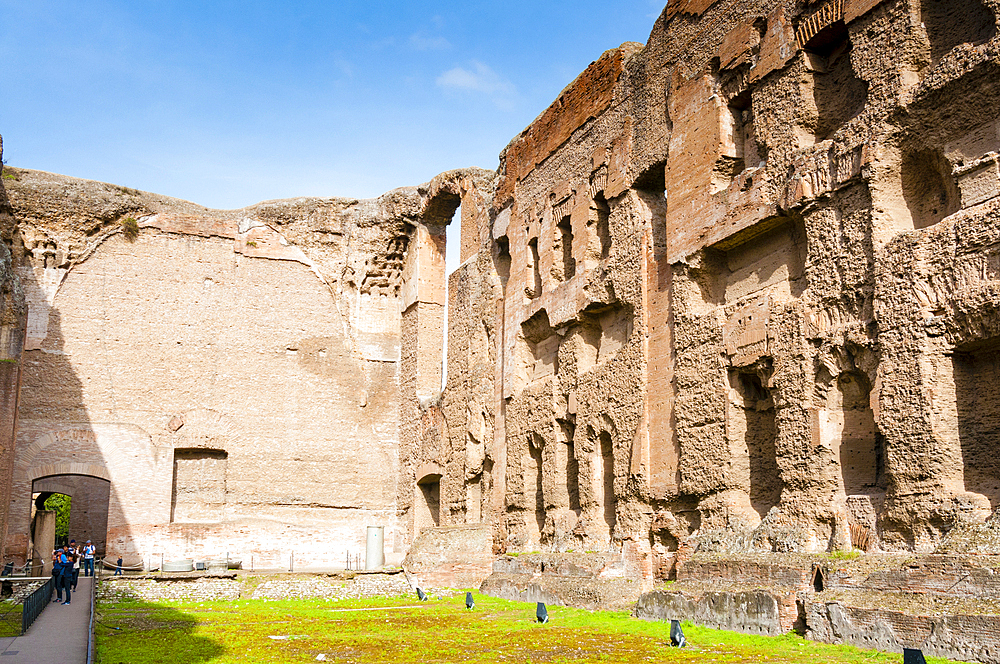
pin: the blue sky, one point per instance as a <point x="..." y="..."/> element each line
<point x="230" y="103"/>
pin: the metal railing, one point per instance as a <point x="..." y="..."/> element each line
<point x="90" y="632"/>
<point x="34" y="603"/>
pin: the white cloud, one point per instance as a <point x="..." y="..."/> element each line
<point x="479" y="78"/>
<point x="419" y="42"/>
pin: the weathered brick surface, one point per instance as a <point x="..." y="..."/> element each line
<point x="232" y="374"/>
<point x="13" y="321"/>
<point x="734" y="292"/>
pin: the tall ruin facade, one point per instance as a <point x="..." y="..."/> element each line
<point x="736" y="291"/>
<point x="204" y="382"/>
<point x="738" y="285"/>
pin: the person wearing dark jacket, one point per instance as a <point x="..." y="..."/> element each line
<point x="62" y="570"/>
<point x="65" y="577"/>
<point x="75" y="569"/>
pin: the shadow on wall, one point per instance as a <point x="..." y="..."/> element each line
<point x="58" y="448"/>
<point x="977" y="393"/>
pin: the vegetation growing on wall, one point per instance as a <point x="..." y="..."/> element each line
<point x="60" y="504"/>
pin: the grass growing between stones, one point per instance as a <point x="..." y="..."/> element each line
<point x="440" y="630"/>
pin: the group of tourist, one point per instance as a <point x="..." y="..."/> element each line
<point x="66" y="567"/>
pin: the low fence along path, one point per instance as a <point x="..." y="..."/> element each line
<point x="60" y="634"/>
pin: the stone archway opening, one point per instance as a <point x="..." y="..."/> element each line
<point x="90" y="499"/>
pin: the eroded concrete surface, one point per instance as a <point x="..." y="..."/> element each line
<point x="734" y="293"/>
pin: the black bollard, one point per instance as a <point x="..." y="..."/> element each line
<point x="677" y="639"/>
<point x="541" y="613"/>
<point x="913" y="656"/>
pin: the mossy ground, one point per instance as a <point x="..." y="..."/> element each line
<point x="10" y="619"/>
<point x="440" y="630"/>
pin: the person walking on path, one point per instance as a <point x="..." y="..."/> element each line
<point x="56" y="571"/>
<point x="118" y="567"/>
<point x="76" y="563"/>
<point x="88" y="559"/>
<point x="63" y="565"/>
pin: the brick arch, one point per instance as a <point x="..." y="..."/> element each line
<point x="123" y="455"/>
<point x="30" y="459"/>
<point x="53" y="469"/>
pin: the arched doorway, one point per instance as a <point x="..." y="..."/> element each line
<point x="90" y="498"/>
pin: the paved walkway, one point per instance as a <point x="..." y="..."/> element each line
<point x="59" y="634"/>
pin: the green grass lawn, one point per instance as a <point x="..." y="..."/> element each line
<point x="10" y="619"/>
<point x="440" y="630"/>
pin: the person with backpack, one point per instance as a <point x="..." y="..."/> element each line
<point x="75" y="569"/>
<point x="88" y="559"/>
<point x="62" y="569"/>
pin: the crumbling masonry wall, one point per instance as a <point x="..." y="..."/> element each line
<point x="738" y="288"/>
<point x="735" y="291"/>
<point x="233" y="375"/>
<point x="13" y="321"/>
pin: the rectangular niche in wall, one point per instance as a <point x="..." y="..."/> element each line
<point x="929" y="188"/>
<point x="199" y="486"/>
<point x="599" y="229"/>
<point x="537" y="350"/>
<point x="533" y="491"/>
<point x="739" y="123"/>
<point x="604" y="480"/>
<point x="769" y="255"/>
<point x="564" y="263"/>
<point x="848" y="425"/>
<point x="834" y="93"/>
<point x="752" y="432"/>
<point x="534" y="287"/>
<point x="427" y="510"/>
<point x="977" y="393"/>
<point x="474" y="500"/>
<point x="602" y="332"/>
<point x="566" y="465"/>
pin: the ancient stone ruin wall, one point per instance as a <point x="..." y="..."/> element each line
<point x="837" y="147"/>
<point x="223" y="381"/>
<point x="426" y="419"/>
<point x="13" y="320"/>
<point x="735" y="290"/>
<point x="738" y="291"/>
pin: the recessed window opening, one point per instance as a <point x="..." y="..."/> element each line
<point x="837" y="92"/>
<point x="566" y="269"/>
<point x="606" y="475"/>
<point x="952" y="22"/>
<point x="849" y="423"/>
<point x="741" y="123"/>
<point x="535" y="494"/>
<point x="199" y="485"/>
<point x="534" y="289"/>
<point x="601" y="215"/>
<point x="429" y="506"/>
<point x="977" y="395"/>
<point x="567" y="430"/>
<point x="503" y="260"/>
<point x="929" y="189"/>
<point x="753" y="431"/>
